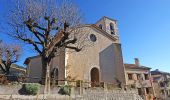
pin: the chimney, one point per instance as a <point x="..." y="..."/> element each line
<point x="137" y="62"/>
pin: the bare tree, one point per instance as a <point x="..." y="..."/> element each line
<point x="48" y="27"/>
<point x="9" y="54"/>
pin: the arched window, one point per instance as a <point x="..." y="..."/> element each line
<point x="100" y="26"/>
<point x="112" y="28"/>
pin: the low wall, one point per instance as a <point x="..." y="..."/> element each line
<point x="110" y="95"/>
<point x="14" y="89"/>
<point x="79" y="93"/>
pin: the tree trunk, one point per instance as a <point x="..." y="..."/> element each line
<point x="7" y="68"/>
<point x="46" y="76"/>
<point x="3" y="69"/>
<point x="7" y="71"/>
<point x="43" y="74"/>
<point x="47" y="80"/>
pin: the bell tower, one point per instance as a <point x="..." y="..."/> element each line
<point x="109" y="25"/>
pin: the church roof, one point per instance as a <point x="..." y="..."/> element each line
<point x="103" y="32"/>
<point x="109" y="18"/>
<point x="105" y="17"/>
<point x="94" y="26"/>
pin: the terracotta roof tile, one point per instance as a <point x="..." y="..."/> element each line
<point x="135" y="66"/>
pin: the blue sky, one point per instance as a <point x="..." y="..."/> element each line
<point x="144" y="27"/>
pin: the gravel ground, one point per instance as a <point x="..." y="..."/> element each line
<point x="37" y="97"/>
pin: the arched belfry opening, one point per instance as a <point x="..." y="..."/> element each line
<point x="94" y="77"/>
<point x="54" y="76"/>
<point x="112" y="28"/>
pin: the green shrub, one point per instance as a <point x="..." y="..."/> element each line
<point x="32" y="88"/>
<point x="15" y="83"/>
<point x="65" y="90"/>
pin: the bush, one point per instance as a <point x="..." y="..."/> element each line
<point x="32" y="88"/>
<point x="65" y="90"/>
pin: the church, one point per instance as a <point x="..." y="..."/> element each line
<point x="102" y="62"/>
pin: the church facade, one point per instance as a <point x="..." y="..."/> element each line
<point x="102" y="62"/>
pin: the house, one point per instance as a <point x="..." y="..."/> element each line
<point x="101" y="62"/>
<point x="138" y="76"/>
<point x="16" y="73"/>
<point x="16" y="70"/>
<point x="161" y="83"/>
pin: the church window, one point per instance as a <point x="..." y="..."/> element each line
<point x="100" y="26"/>
<point x="112" y="28"/>
<point x="93" y="37"/>
<point x="112" y="32"/>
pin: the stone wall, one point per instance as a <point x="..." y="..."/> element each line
<point x="14" y="89"/>
<point x="77" y="94"/>
<point x="99" y="94"/>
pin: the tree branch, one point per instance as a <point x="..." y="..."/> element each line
<point x="29" y="41"/>
<point x="39" y="27"/>
<point x="14" y="61"/>
<point x="33" y="30"/>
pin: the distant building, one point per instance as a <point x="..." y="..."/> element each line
<point x="16" y="73"/>
<point x="16" y="70"/>
<point x="101" y="62"/>
<point x="161" y="81"/>
<point x="139" y="77"/>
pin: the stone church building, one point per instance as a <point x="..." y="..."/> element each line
<point x="102" y="62"/>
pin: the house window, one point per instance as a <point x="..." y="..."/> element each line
<point x="162" y="92"/>
<point x="139" y="91"/>
<point x="138" y="77"/>
<point x="146" y="76"/>
<point x="130" y="76"/>
<point x="100" y="26"/>
<point x="147" y="90"/>
<point x="161" y="84"/>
